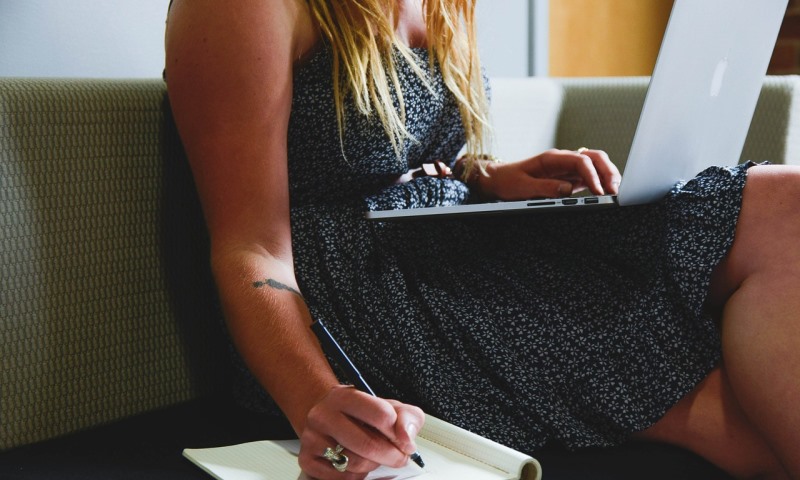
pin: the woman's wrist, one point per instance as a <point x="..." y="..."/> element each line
<point x="475" y="170"/>
<point x="298" y="411"/>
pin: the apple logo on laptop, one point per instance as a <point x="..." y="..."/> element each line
<point x="719" y="75"/>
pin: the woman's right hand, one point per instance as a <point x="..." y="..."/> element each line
<point x="373" y="432"/>
<point x="551" y="174"/>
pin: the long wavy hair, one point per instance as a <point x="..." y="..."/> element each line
<point x="362" y="36"/>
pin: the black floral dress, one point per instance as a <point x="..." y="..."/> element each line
<point x="575" y="328"/>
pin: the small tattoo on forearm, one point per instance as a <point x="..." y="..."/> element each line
<point x="276" y="285"/>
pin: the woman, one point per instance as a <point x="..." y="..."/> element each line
<point x="299" y="115"/>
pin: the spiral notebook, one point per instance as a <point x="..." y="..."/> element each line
<point x="449" y="451"/>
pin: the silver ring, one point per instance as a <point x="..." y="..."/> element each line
<point x="581" y="150"/>
<point x="338" y="459"/>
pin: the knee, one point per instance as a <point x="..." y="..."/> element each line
<point x="772" y="191"/>
<point x="768" y="229"/>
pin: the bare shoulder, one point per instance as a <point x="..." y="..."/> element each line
<point x="234" y="57"/>
<point x="283" y="28"/>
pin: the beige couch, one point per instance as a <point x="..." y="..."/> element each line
<point x="106" y="304"/>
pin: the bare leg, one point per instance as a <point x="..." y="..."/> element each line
<point x="710" y="423"/>
<point x="761" y="318"/>
<point x="745" y="417"/>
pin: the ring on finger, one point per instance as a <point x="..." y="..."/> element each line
<point x="338" y="459"/>
<point x="581" y="150"/>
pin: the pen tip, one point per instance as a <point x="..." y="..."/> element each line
<point x="417" y="459"/>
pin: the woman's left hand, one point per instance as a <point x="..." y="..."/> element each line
<point x="554" y="173"/>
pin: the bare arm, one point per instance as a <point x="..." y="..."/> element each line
<point x="229" y="73"/>
<point x="229" y="67"/>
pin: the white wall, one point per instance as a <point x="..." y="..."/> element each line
<point x="503" y="37"/>
<point x="125" y="38"/>
<point x="82" y="38"/>
<point x="513" y="36"/>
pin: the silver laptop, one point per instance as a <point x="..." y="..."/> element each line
<point x="697" y="111"/>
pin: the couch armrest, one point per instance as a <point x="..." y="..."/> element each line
<point x="775" y="132"/>
<point x="603" y="113"/>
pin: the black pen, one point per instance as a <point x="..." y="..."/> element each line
<point x="331" y="347"/>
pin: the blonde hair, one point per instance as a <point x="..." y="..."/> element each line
<point x="362" y="36"/>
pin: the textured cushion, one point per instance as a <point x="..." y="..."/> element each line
<point x="775" y="132"/>
<point x="601" y="113"/>
<point x="100" y="254"/>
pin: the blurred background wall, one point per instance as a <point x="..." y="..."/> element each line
<point x="124" y="38"/>
<point x="82" y="38"/>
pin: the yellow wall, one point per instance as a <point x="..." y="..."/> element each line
<point x="606" y="37"/>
